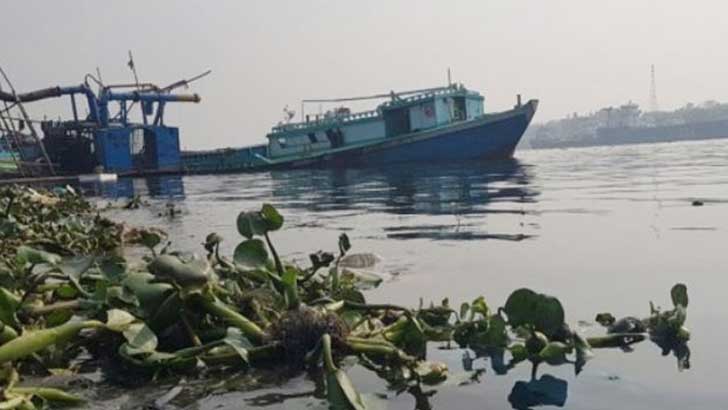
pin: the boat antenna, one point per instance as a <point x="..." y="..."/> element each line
<point x="98" y="77"/>
<point x="653" y="90"/>
<point x="449" y="78"/>
<point x="132" y="67"/>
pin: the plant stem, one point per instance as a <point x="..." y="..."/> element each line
<point x="276" y="259"/>
<point x="261" y="355"/>
<point x="328" y="358"/>
<point x="222" y="310"/>
<point x="7" y="333"/>
<point x="190" y="331"/>
<point x="363" y="306"/>
<point x="615" y="340"/>
<point x="377" y="348"/>
<point x="46" y="309"/>
<point x="31" y="342"/>
<point x="49" y="393"/>
<point x="10" y="205"/>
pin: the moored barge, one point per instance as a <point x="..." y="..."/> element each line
<point x="435" y="124"/>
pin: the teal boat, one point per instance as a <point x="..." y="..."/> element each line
<point x="7" y="158"/>
<point x="435" y="124"/>
<point x="7" y="164"/>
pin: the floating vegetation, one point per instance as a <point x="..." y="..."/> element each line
<point x="68" y="294"/>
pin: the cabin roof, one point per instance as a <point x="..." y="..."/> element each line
<point x="453" y="91"/>
<point x="324" y="123"/>
<point x="396" y="102"/>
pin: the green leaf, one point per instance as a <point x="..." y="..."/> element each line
<point x="479" y="306"/>
<point x="359" y="260"/>
<point x="464" y="309"/>
<point x="58" y="317"/>
<point x="119" y="320"/>
<point x="113" y="268"/>
<point x="251" y="253"/>
<point x="584" y="352"/>
<point x="352" y="317"/>
<point x="141" y="337"/>
<point x="605" y="319"/>
<point x="431" y="372"/>
<point x="109" y="294"/>
<point x="149" y="238"/>
<point x="497" y="335"/>
<point x="526" y="307"/>
<point x="150" y="295"/>
<point x="678" y="318"/>
<point x="554" y="353"/>
<point x="321" y="259"/>
<point x="344" y="243"/>
<point x="360" y="280"/>
<point x="341" y="392"/>
<point x="190" y="274"/>
<point x="33" y="256"/>
<point x="76" y="266"/>
<point x="518" y="352"/>
<point x="290" y="281"/>
<point x="9" y="227"/>
<point x="679" y="294"/>
<point x="407" y="334"/>
<point x="238" y="342"/>
<point x="168" y="312"/>
<point x="273" y="219"/>
<point x="9" y="304"/>
<point x="251" y="224"/>
<point x="212" y="240"/>
<point x="351" y="295"/>
<point x="66" y="291"/>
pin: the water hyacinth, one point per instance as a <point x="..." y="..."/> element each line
<point x="66" y="285"/>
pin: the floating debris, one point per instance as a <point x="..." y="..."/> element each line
<point x="67" y="287"/>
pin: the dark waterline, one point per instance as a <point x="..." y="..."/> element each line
<point x="604" y="229"/>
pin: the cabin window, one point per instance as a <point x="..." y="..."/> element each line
<point x="282" y="142"/>
<point x="459" y="112"/>
<point x="312" y="137"/>
<point x="397" y="122"/>
<point x="336" y="137"/>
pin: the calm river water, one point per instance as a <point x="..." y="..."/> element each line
<point x="603" y="229"/>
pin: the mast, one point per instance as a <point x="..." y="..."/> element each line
<point x="653" y="90"/>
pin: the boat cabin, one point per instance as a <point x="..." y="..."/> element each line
<point x="404" y="113"/>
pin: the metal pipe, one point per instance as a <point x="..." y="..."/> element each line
<point x="31" y="96"/>
<point x="150" y="96"/>
<point x="141" y="86"/>
<point x="54" y="92"/>
<point x="376" y="96"/>
<point x="73" y="106"/>
<point x="185" y="83"/>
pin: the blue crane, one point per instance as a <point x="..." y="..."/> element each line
<point x="113" y="142"/>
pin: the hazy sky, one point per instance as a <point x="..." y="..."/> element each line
<point x="574" y="55"/>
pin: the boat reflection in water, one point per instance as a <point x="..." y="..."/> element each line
<point x="163" y="187"/>
<point x="467" y="190"/>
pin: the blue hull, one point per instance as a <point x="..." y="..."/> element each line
<point x="492" y="136"/>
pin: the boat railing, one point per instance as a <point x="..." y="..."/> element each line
<point x="445" y="91"/>
<point x="334" y="119"/>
